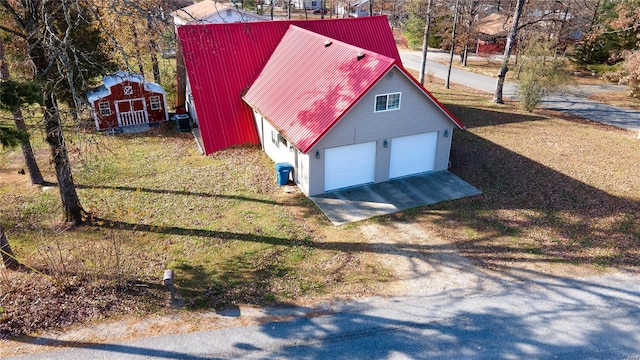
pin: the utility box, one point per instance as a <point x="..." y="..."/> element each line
<point x="282" y="172"/>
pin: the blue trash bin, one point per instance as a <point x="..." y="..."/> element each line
<point x="282" y="171"/>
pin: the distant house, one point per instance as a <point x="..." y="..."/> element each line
<point x="127" y="100"/>
<point x="223" y="60"/>
<point x="357" y="8"/>
<point x="344" y="116"/>
<point x="212" y="12"/>
<point x="491" y="34"/>
<point x="308" y="4"/>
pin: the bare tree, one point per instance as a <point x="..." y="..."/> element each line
<point x="497" y="98"/>
<point x="46" y="27"/>
<point x="469" y="11"/>
<point x="425" y="41"/>
<point x="453" y="42"/>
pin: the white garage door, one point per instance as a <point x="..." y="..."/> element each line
<point x="349" y="165"/>
<point x="412" y="154"/>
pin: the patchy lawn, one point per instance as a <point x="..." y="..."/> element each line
<point x="220" y="222"/>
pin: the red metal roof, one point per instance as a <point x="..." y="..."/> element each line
<point x="310" y="82"/>
<point x="223" y="60"/>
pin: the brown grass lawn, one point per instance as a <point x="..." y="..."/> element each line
<point x="556" y="190"/>
<point x="619" y="99"/>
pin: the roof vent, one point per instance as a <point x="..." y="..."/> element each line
<point x="327" y="43"/>
<point x="360" y="56"/>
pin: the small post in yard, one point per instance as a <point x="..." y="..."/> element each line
<point x="168" y="281"/>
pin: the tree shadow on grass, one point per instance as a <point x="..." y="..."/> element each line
<point x="475" y="117"/>
<point x="176" y="192"/>
<point x="529" y="209"/>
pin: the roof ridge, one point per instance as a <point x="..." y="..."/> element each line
<point x="339" y="43"/>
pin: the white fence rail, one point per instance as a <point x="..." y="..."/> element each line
<point x="132" y="118"/>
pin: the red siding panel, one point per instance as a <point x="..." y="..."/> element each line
<point x="306" y="87"/>
<point x="222" y="61"/>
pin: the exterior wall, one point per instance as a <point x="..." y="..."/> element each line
<point x="189" y="104"/>
<point x="279" y="152"/>
<point x="301" y="172"/>
<point x="117" y="93"/>
<point x="309" y="4"/>
<point x="417" y="114"/>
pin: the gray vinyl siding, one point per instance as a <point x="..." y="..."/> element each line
<point x="417" y="114"/>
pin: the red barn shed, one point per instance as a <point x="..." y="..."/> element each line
<point x="126" y="100"/>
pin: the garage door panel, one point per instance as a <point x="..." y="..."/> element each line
<point x="412" y="154"/>
<point x="349" y="165"/>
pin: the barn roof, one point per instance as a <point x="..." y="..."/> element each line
<point x="108" y="81"/>
<point x="311" y="81"/>
<point x="223" y="60"/>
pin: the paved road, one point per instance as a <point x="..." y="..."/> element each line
<point x="591" y="318"/>
<point x="573" y="102"/>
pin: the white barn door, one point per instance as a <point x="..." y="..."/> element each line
<point x="132" y="112"/>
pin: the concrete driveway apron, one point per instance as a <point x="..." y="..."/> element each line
<point x="362" y="202"/>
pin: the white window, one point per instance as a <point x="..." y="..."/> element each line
<point x="105" y="108"/>
<point x="127" y="90"/>
<point x="387" y="102"/>
<point x="155" y="103"/>
<point x="278" y="139"/>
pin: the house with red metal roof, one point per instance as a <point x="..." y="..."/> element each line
<point x="344" y="116"/>
<point x="223" y="60"/>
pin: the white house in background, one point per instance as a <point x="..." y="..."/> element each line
<point x="309" y="4"/>
<point x="358" y="8"/>
<point x="212" y="12"/>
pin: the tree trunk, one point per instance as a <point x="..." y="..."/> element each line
<point x="465" y="55"/>
<point x="9" y="261"/>
<point x="453" y="43"/>
<point x="136" y="45"/>
<point x="42" y="62"/>
<point x="425" y="42"/>
<point x="497" y="97"/>
<point x="27" y="150"/>
<point x="153" y="51"/>
<point x="70" y="202"/>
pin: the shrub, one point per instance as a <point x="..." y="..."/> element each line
<point x="540" y="75"/>
<point x="631" y="74"/>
